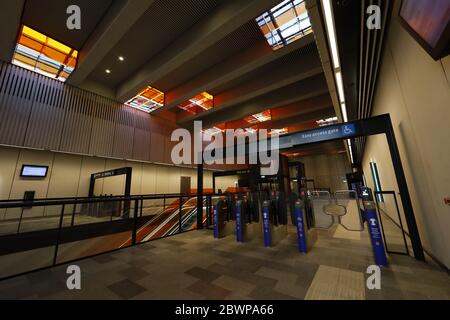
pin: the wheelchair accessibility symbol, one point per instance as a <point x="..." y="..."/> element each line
<point x="348" y="130"/>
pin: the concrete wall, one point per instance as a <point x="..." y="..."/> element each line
<point x="328" y="170"/>
<point x="414" y="89"/>
<point x="69" y="176"/>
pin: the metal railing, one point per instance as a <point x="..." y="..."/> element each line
<point x="77" y="228"/>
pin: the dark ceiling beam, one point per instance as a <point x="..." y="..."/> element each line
<point x="305" y="89"/>
<point x="10" y="16"/>
<point x="319" y="105"/>
<point x="316" y="149"/>
<point x="264" y="82"/>
<point x="231" y="69"/>
<point x="313" y="104"/>
<point x="298" y="119"/>
<point x="117" y="22"/>
<point x="221" y="22"/>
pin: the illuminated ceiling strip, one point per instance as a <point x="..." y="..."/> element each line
<point x="340" y="86"/>
<point x="349" y="143"/>
<point x="326" y="4"/>
<point x="329" y="21"/>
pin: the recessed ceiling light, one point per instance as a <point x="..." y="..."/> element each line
<point x="121" y="58"/>
<point x="108" y="71"/>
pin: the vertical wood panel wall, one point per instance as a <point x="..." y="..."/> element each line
<point x="39" y="112"/>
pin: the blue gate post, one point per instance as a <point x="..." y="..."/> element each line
<point x="375" y="233"/>
<point x="216" y="221"/>
<point x="239" y="221"/>
<point x="302" y="245"/>
<point x="266" y="224"/>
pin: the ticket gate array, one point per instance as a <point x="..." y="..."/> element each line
<point x="239" y="214"/>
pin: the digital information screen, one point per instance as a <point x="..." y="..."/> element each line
<point x="34" y="171"/>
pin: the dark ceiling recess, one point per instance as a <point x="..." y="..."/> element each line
<point x="360" y="51"/>
<point x="49" y="17"/>
<point x="164" y="22"/>
<point x="348" y="26"/>
<point x="244" y="37"/>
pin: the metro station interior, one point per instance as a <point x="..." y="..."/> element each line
<point x="349" y="100"/>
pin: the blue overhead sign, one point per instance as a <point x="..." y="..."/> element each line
<point x="344" y="131"/>
<point x="323" y="134"/>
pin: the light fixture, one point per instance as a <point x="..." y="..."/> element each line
<point x="344" y="112"/>
<point x="327" y="122"/>
<point x="340" y="86"/>
<point x="259" y="117"/>
<point x="326" y="4"/>
<point x="200" y="103"/>
<point x="149" y="99"/>
<point x="108" y="71"/>
<point x="121" y="58"/>
<point x="349" y="143"/>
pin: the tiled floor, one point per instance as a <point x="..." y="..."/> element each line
<point x="195" y="266"/>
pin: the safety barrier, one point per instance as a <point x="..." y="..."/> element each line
<point x="77" y="228"/>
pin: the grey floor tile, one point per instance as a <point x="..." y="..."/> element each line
<point x="203" y="274"/>
<point x="209" y="291"/>
<point x="126" y="289"/>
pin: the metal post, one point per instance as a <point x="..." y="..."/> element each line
<point x="73" y="214"/>
<point x="20" y="221"/>
<point x="238" y="209"/>
<point x="135" y="217"/>
<point x="180" y="214"/>
<point x="200" y="196"/>
<point x="61" y="218"/>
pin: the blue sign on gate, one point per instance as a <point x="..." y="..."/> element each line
<point x="216" y="222"/>
<point x="238" y="223"/>
<point x="302" y="246"/>
<point x="375" y="236"/>
<point x="266" y="225"/>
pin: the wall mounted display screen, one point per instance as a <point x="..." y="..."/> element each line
<point x="429" y="23"/>
<point x="31" y="171"/>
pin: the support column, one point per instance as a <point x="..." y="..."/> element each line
<point x="200" y="196"/>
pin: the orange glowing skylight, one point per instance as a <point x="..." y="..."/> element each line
<point x="202" y="102"/>
<point x="39" y="53"/>
<point x="280" y="132"/>
<point x="285" y="23"/>
<point x="148" y="100"/>
<point x="260" y="117"/>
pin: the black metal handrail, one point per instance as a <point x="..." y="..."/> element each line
<point x="161" y="195"/>
<point x="5" y="204"/>
<point x="131" y="217"/>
